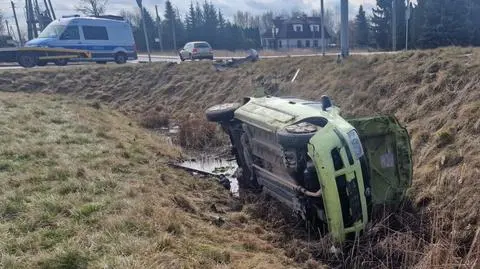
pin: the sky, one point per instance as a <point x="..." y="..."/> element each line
<point x="228" y="7"/>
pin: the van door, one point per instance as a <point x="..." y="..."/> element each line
<point x="70" y="38"/>
<point x="388" y="157"/>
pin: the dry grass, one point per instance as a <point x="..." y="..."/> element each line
<point x="84" y="187"/>
<point x="435" y="93"/>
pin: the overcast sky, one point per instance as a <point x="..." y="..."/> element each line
<point x="228" y="7"/>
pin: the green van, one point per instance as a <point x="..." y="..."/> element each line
<point x="330" y="170"/>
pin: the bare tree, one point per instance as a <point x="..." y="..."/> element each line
<point x="92" y="7"/>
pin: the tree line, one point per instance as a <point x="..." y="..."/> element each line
<point x="432" y="23"/>
<point x="202" y="22"/>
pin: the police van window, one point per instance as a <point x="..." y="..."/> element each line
<point x="95" y="33"/>
<point x="70" y="33"/>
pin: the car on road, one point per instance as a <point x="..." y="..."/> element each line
<point x="331" y="171"/>
<point x="108" y="38"/>
<point x="7" y="41"/>
<point x="196" y="50"/>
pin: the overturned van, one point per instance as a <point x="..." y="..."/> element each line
<point x="330" y="170"/>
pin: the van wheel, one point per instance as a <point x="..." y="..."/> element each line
<point x="293" y="140"/>
<point x="222" y="112"/>
<point x="61" y="62"/>
<point x="27" y="60"/>
<point x="121" y="58"/>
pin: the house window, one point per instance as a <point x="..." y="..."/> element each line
<point x="299" y="43"/>
<point x="315" y="28"/>
<point x="280" y="43"/>
<point x="315" y="43"/>
<point x="307" y="43"/>
<point x="298" y="28"/>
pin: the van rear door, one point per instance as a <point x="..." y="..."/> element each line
<point x="389" y="159"/>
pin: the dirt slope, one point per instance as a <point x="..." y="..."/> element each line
<point x="435" y="93"/>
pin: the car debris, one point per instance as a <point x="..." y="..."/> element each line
<point x="221" y="65"/>
<point x="331" y="171"/>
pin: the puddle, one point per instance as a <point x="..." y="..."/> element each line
<point x="214" y="166"/>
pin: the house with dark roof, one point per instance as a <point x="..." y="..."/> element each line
<point x="299" y="32"/>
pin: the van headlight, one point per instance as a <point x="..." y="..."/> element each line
<point x="301" y="128"/>
<point x="356" y="143"/>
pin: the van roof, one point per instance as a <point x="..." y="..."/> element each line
<point x="91" y="19"/>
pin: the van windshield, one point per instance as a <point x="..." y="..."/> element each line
<point x="53" y="30"/>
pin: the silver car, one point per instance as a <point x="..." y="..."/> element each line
<point x="196" y="50"/>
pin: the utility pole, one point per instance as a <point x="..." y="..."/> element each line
<point x="394" y="25"/>
<point x="407" y="20"/>
<point x="344" y="28"/>
<point x="159" y="29"/>
<point x="139" y="2"/>
<point x="322" y="13"/>
<point x="16" y="22"/>
<point x="174" y="22"/>
<point x="51" y="10"/>
<point x="8" y="28"/>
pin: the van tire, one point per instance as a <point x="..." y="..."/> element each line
<point x="27" y="60"/>
<point x="291" y="140"/>
<point x="222" y="112"/>
<point x="121" y="58"/>
<point x="61" y="62"/>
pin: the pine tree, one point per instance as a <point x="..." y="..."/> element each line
<point x="401" y="23"/>
<point x="475" y="22"/>
<point x="381" y="24"/>
<point x="190" y="22"/>
<point x="446" y="24"/>
<point x="169" y="26"/>
<point x="361" y="28"/>
<point x="211" y="23"/>
<point x="200" y="22"/>
<point x="138" y="33"/>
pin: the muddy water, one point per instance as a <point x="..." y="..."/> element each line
<point x="205" y="163"/>
<point x="215" y="166"/>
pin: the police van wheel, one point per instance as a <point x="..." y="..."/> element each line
<point x="120" y="58"/>
<point x="61" y="62"/>
<point x="222" y="112"/>
<point x="27" y="60"/>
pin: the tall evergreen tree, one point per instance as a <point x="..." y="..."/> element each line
<point x="401" y="23"/>
<point x="475" y="22"/>
<point x="169" y="26"/>
<point x="211" y="22"/>
<point x="190" y="22"/>
<point x="138" y="33"/>
<point x="381" y="24"/>
<point x="446" y="23"/>
<point x="361" y="28"/>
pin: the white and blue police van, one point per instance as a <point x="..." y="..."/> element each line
<point x="108" y="38"/>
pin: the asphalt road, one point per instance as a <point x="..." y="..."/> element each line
<point x="143" y="58"/>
